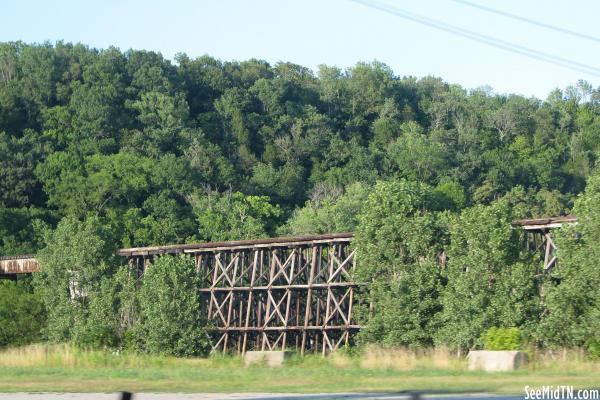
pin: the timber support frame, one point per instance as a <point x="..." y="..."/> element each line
<point x="540" y="238"/>
<point x="273" y="294"/>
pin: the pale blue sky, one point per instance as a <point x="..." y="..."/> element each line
<point x="333" y="32"/>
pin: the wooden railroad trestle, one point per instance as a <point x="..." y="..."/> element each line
<point x="285" y="292"/>
<point x="540" y="238"/>
<point x="11" y="266"/>
<point x="273" y="294"/>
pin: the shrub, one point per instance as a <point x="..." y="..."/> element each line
<point x="593" y="348"/>
<point x="22" y="314"/>
<point x="170" y="322"/>
<point x="502" y="339"/>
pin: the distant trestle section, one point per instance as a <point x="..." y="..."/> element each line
<point x="268" y="294"/>
<point x="540" y="237"/>
<point x="11" y="266"/>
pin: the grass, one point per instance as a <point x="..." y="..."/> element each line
<point x="62" y="368"/>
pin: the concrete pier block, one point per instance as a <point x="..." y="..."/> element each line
<point x="496" y="361"/>
<point x="269" y="358"/>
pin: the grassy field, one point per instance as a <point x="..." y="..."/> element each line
<point x="64" y="369"/>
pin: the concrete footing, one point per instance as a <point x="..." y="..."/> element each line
<point x="269" y="358"/>
<point x="496" y="361"/>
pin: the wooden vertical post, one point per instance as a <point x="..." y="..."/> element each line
<point x="250" y="293"/>
<point x="307" y="312"/>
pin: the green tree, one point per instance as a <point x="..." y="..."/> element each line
<point x="327" y="212"/>
<point x="571" y="299"/>
<point x="164" y="119"/>
<point x="387" y="126"/>
<point x="97" y="103"/>
<point x="399" y="239"/>
<point x="450" y="196"/>
<point x="111" y="313"/>
<point x="16" y="233"/>
<point x="488" y="280"/>
<point x="416" y="156"/>
<point x="22" y="314"/>
<point x="76" y="257"/>
<point x="234" y="216"/>
<point x="96" y="183"/>
<point x="19" y="157"/>
<point x="170" y="321"/>
<point x="285" y="184"/>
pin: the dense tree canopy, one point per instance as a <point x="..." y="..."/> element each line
<point x="143" y="142"/>
<point x="76" y="260"/>
<point x="22" y="314"/>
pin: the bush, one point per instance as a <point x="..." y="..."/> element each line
<point x="502" y="339"/>
<point x="22" y="314"/>
<point x="170" y="322"/>
<point x="592" y="348"/>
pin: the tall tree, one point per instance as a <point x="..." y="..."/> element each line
<point x="400" y="237"/>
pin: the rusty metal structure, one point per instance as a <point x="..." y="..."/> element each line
<point x="10" y="267"/>
<point x="272" y="294"/>
<point x="539" y="236"/>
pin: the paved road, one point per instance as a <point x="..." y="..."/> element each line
<point x="246" y="396"/>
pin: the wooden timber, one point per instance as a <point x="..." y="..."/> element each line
<point x="539" y="236"/>
<point x="544" y="223"/>
<point x="282" y="241"/>
<point x="11" y="266"/>
<point x="272" y="294"/>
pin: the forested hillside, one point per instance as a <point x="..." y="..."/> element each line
<point x="102" y="149"/>
<point x="203" y="150"/>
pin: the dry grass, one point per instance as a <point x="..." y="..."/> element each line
<point x="571" y="360"/>
<point x="398" y="359"/>
<point x="64" y="368"/>
<point x="38" y="355"/>
<point x="403" y="359"/>
<point x="371" y="358"/>
<point x="66" y="356"/>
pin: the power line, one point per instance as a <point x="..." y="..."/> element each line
<point x="478" y="37"/>
<point x="529" y="21"/>
<point x="491" y="41"/>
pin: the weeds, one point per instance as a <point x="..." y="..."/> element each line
<point x="59" y="367"/>
<point x="369" y="358"/>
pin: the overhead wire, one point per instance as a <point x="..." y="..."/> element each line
<point x="481" y="38"/>
<point x="529" y="20"/>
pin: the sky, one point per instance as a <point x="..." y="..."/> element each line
<point x="332" y="32"/>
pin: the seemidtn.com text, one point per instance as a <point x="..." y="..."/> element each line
<point x="557" y="392"/>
